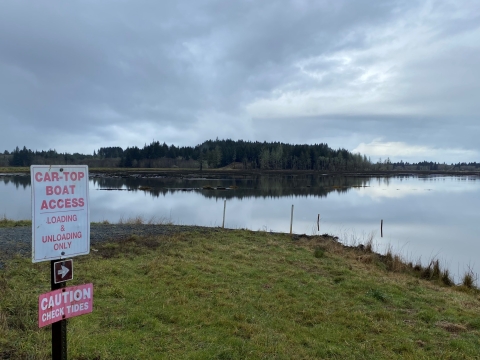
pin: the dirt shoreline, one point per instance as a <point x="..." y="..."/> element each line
<point x="212" y="173"/>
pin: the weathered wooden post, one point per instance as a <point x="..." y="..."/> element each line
<point x="381" y="228"/>
<point x="291" y="221"/>
<point x="224" y="208"/>
<point x="318" y="222"/>
<point x="59" y="328"/>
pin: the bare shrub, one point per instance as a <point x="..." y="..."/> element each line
<point x="369" y="245"/>
<point x="426" y="273"/>
<point x="436" y="273"/>
<point x="398" y="264"/>
<point x="446" y="279"/>
<point x="418" y="266"/>
<point x="469" y="279"/>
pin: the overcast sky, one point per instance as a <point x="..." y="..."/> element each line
<point x="398" y="79"/>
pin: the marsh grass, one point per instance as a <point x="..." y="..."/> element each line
<point x="369" y="247"/>
<point x="11" y="169"/>
<point x="446" y="278"/>
<point x="140" y="220"/>
<point x="238" y="294"/>
<point x="395" y="262"/>
<point x="4" y="222"/>
<point x="137" y="220"/>
<point x="469" y="279"/>
<point x="436" y="272"/>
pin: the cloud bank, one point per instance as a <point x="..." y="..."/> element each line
<point x="79" y="75"/>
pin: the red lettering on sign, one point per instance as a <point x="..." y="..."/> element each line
<point x="62" y="237"/>
<point x="49" y="176"/>
<point x="58" y="190"/>
<point x="73" y="176"/>
<point x="59" y="211"/>
<point x="52" y="205"/>
<point x="62" y="246"/>
<point x="62" y="203"/>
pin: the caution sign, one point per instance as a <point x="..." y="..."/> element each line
<point x="60" y="213"/>
<point x="64" y="303"/>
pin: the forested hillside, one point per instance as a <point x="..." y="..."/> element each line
<point x="223" y="153"/>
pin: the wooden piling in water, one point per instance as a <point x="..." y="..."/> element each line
<point x="291" y="221"/>
<point x="224" y="208"/>
<point x="318" y="222"/>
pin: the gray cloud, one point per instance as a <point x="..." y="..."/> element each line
<point x="79" y="75"/>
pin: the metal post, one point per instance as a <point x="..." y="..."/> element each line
<point x="291" y="221"/>
<point x="224" y="208"/>
<point x="381" y="228"/>
<point x="59" y="328"/>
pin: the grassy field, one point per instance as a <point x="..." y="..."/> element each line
<point x="223" y="294"/>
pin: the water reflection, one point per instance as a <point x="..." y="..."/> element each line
<point x="235" y="187"/>
<point x="17" y="180"/>
<point x="273" y="186"/>
<point x="424" y="216"/>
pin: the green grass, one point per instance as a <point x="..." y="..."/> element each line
<point x="14" y="169"/>
<point x="217" y="294"/>
<point x="138" y="220"/>
<point x="4" y="222"/>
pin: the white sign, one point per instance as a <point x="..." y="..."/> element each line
<point x="60" y="216"/>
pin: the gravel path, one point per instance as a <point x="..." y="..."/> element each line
<point x="18" y="240"/>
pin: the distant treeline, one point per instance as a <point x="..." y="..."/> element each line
<point x="224" y="153"/>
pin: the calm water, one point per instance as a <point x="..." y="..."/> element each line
<point x="424" y="217"/>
